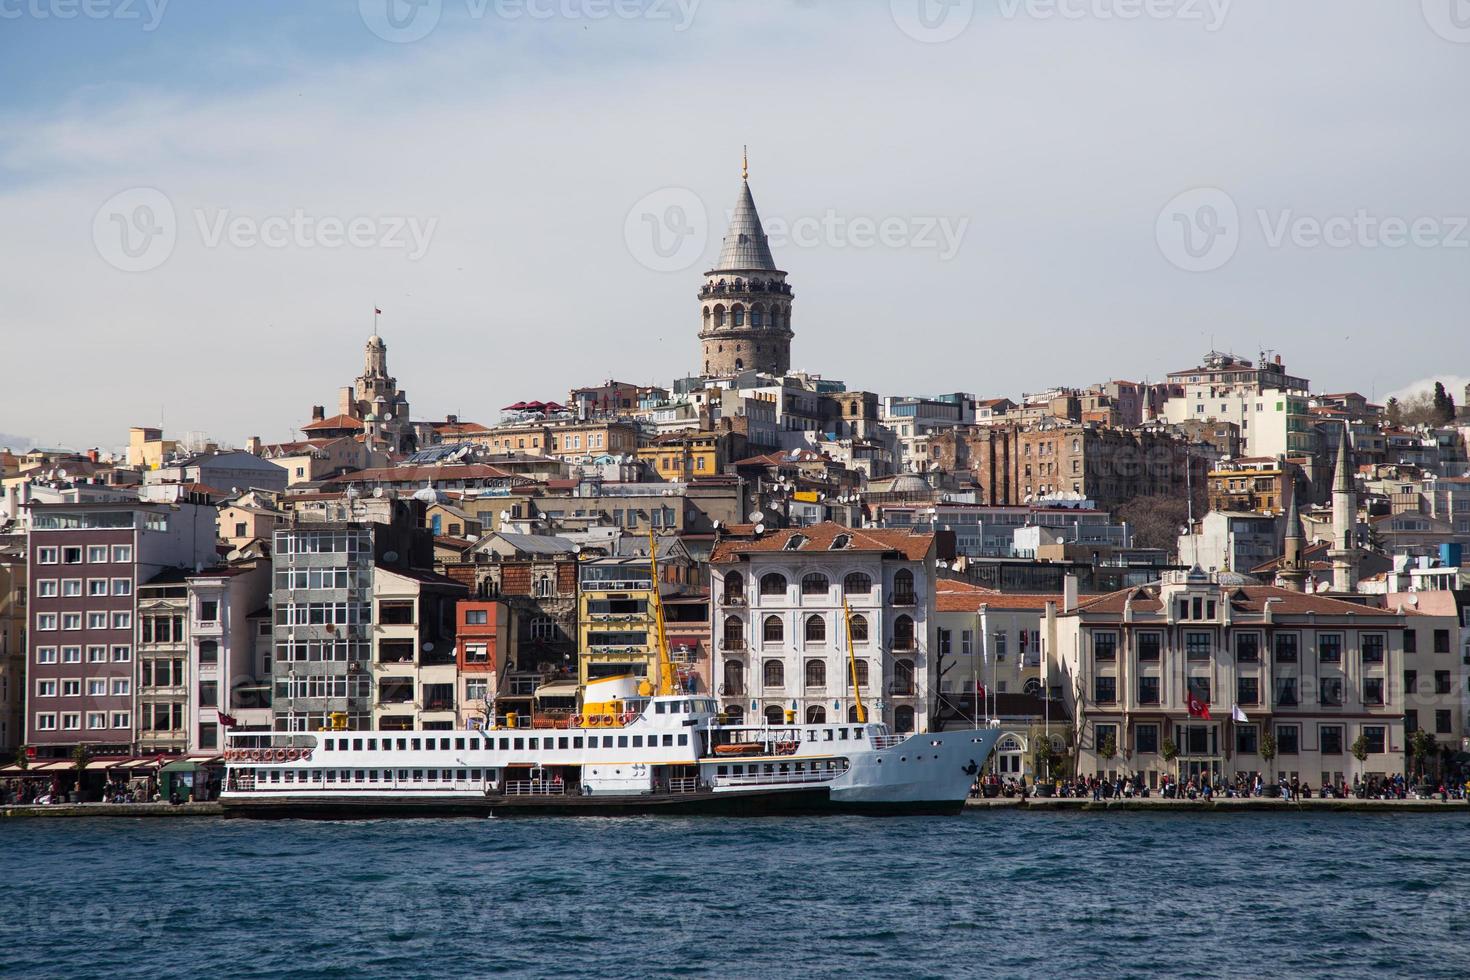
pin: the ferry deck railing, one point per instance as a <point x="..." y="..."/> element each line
<point x="779" y="778"/>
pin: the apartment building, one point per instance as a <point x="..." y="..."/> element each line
<point x="87" y="562"/>
<point x="482" y="646"/>
<point x="783" y="643"/>
<point x="415" y="665"/>
<point x="1159" y="678"/>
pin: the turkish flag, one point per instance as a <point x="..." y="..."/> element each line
<point x="1197" y="708"/>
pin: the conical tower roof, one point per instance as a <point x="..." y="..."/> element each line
<point x="1343" y="479"/>
<point x="745" y="248"/>
<point x="1294" y="520"/>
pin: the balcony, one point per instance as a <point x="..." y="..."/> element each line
<point x="902" y="689"/>
<point x="733" y="599"/>
<point x="733" y="644"/>
<point x="905" y="644"/>
<point x="905" y="599"/>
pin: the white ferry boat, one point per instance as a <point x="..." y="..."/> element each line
<point x="662" y="753"/>
<point x="632" y="748"/>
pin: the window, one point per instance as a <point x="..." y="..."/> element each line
<point x="816" y="673"/>
<point x="71" y="555"/>
<point x="96" y="719"/>
<point x="1148" y="690"/>
<point x="122" y="654"/>
<point x="773" y="630"/>
<point x="1441" y="682"/>
<point x="1146" y="738"/>
<point x="1286" y="648"/>
<point x="71" y="587"/>
<point x="209" y="694"/>
<point x="1288" y="739"/>
<point x="1411" y="641"/>
<point x="46" y="689"/>
<point x="858" y="626"/>
<point x="1199" y="687"/>
<point x="45" y="655"/>
<point x="1441" y="641"/>
<point x="208" y="652"/>
<point x="1196" y="646"/>
<point x="543" y="628"/>
<point x="773" y="673"/>
<point x="98" y="586"/>
<point x="1330" y="739"/>
<point x="71" y="721"/>
<point x="814" y="583"/>
<point x="1247" y="690"/>
<point x="1329" y="648"/>
<point x="46" y="722"/>
<point x="121" y="687"/>
<point x="816" y="629"/>
<point x="96" y="553"/>
<point x="857" y="583"/>
<point x="46" y="588"/>
<point x="71" y="655"/>
<point x="122" y="553"/>
<point x="1442" y="721"/>
<point x="1372" y="690"/>
<point x="96" y="687"/>
<point x="1246" y="739"/>
<point x="734" y="585"/>
<point x="122" y="620"/>
<point x="477" y="617"/>
<point x="1105" y="647"/>
<point x="45" y="621"/>
<point x="1376" y="736"/>
<point x="903" y="677"/>
<point x="1247" y="648"/>
<point x="1331" y="692"/>
<point x="773" y="584"/>
<point x="209" y="611"/>
<point x="1373" y="648"/>
<point x="903" y="587"/>
<point x="1148" y="647"/>
<point x="47" y="556"/>
<point x="96" y="620"/>
<point x="903" y="633"/>
<point x="1105" y="689"/>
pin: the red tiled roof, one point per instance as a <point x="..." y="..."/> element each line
<point x="1146" y="599"/>
<point x="335" y="422"/>
<point x="819" y="538"/>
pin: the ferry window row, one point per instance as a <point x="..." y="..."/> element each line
<point x="608" y="741"/>
<point x="331" y="776"/>
<point x="403" y="744"/>
<point x="675" y="707"/>
<point x="775" y="768"/>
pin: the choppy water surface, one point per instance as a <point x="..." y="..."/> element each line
<point x="1007" y="894"/>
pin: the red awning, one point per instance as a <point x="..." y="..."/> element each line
<point x="518" y="406"/>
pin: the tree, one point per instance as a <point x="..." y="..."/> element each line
<point x="22" y="761"/>
<point x="1268" y="752"/>
<point x="1109" y="748"/>
<point x="1044" y="756"/>
<point x="79" y="759"/>
<point x="1394" y="412"/>
<point x="1168" y="750"/>
<point x="1421" y="745"/>
<point x="1444" y="406"/>
<point x="1155" y="520"/>
<point x="1359" y="749"/>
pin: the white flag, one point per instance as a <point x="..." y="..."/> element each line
<point x="1236" y="714"/>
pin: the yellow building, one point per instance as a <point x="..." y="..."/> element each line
<point x="147" y="448"/>
<point x="616" y="620"/>
<point x="681" y="456"/>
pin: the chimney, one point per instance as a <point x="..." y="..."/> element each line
<point x="318" y="413"/>
<point x="1278" y="360"/>
<point x="452" y="419"/>
<point x="252" y="445"/>
<point x="1069" y="594"/>
<point x="93" y="455"/>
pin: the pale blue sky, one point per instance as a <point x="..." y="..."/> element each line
<point x="531" y="153"/>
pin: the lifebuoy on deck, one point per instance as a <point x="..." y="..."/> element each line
<point x="607" y="719"/>
<point x="280" y="755"/>
<point x="627" y="718"/>
<point x="576" y="721"/>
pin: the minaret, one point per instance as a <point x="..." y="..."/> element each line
<point x="745" y="303"/>
<point x="1293" y="573"/>
<point x="1344" y="553"/>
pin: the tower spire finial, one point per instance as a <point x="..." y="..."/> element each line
<point x="745" y="162"/>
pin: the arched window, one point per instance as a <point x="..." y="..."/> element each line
<point x="816" y="715"/>
<point x="773" y="630"/>
<point x="816" y="673"/>
<point x="706" y="316"/>
<point x="773" y="673"/>
<point x="543" y="586"/>
<point x="737" y="313"/>
<point x="903" y="633"/>
<point x="734" y="633"/>
<point x="776" y="715"/>
<point x="816" y="629"/>
<point x="858" y="629"/>
<point x="734" y="587"/>
<point x="903" y="587"/>
<point x="852" y="718"/>
<point x="857" y="583"/>
<point x="734" y="678"/>
<point x="757" y="316"/>
<point x="720" y="315"/>
<point x="814" y="583"/>
<point x="903" y="677"/>
<point x="740" y="364"/>
<point x="1032" y="687"/>
<point x="773" y="583"/>
<point x="734" y="713"/>
<point x="903" y="719"/>
<point x="862" y="672"/>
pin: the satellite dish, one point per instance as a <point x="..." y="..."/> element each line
<point x="757" y="517"/>
<point x="61" y="472"/>
<point x="377" y="491"/>
<point x="387" y="416"/>
<point x="429" y="646"/>
<point x="390" y="556"/>
<point x="760" y="529"/>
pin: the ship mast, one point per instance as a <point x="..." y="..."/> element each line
<point x="665" y="664"/>
<point x="862" y="711"/>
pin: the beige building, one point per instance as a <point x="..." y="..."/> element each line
<point x="415" y="672"/>
<point x="147" y="448"/>
<point x="1310" y="676"/>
